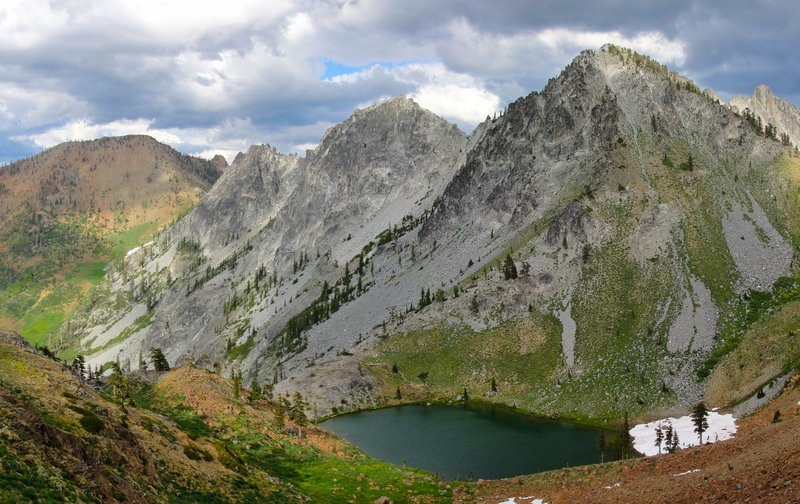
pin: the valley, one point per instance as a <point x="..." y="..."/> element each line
<point x="619" y="245"/>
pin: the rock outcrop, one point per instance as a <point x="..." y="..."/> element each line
<point x="617" y="191"/>
<point x="782" y="114"/>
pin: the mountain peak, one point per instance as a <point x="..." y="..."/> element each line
<point x="774" y="110"/>
<point x="763" y="90"/>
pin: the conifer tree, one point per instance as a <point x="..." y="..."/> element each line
<point x="120" y="390"/>
<point x="157" y="358"/>
<point x="79" y="365"/>
<point x="237" y="383"/>
<point x="668" y="438"/>
<point x="255" y="389"/>
<point x="700" y="420"/>
<point x="279" y="411"/>
<point x="473" y="304"/>
<point x="622" y="445"/>
<point x="659" y="438"/>
<point x="398" y="395"/>
<point x="509" y="268"/>
<point x="298" y="410"/>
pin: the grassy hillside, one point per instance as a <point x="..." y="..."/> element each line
<point x="66" y="212"/>
<point x="185" y="438"/>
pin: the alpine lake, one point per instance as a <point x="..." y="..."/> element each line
<point x="469" y="441"/>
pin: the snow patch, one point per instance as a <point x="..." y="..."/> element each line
<point x="720" y="428"/>
<point x="137" y="249"/>
<point x="609" y="487"/>
<point x="532" y="500"/>
<point x="690" y="471"/>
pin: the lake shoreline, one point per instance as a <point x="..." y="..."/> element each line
<point x="480" y="438"/>
<point x="599" y="425"/>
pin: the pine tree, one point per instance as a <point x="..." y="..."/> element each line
<point x="473" y="304"/>
<point x="255" y="389"/>
<point x="279" y="411"/>
<point x="298" y="410"/>
<point x="398" y="395"/>
<point x="159" y="361"/>
<point x="237" y="383"/>
<point x="622" y="445"/>
<point x="394" y="368"/>
<point x="668" y="438"/>
<point x="509" y="268"/>
<point x="700" y="420"/>
<point x="79" y="365"/>
<point x="494" y="385"/>
<point x="120" y="390"/>
<point x="465" y="397"/>
<point x="659" y="438"/>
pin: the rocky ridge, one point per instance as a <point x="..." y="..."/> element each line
<point x="771" y="109"/>
<point x="631" y="204"/>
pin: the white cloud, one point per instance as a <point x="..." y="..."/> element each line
<point x="654" y="44"/>
<point x="228" y="138"/>
<point x="21" y="107"/>
<point x="302" y="148"/>
<point x="78" y="68"/>
<point x="542" y="51"/>
<point x="468" y="105"/>
<point x="455" y="96"/>
<point x="83" y="129"/>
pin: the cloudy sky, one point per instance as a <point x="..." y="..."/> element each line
<point x="215" y="77"/>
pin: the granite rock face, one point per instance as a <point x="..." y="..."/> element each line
<point x="782" y="114"/>
<point x="632" y="204"/>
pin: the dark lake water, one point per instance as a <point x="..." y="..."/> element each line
<point x="482" y="441"/>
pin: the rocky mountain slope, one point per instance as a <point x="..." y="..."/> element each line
<point x="774" y="110"/>
<point x="604" y="246"/>
<point x="70" y="209"/>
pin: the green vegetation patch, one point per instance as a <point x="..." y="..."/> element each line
<point x="91" y="422"/>
<point x="519" y="356"/>
<point x="22" y="480"/>
<point x="194" y="452"/>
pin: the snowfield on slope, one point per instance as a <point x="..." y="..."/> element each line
<point x="720" y="428"/>
<point x="533" y="500"/>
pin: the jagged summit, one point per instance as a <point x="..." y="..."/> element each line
<point x="637" y="212"/>
<point x="782" y="114"/>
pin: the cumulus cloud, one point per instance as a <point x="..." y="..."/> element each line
<point x="468" y="105"/>
<point x="83" y="129"/>
<point x="211" y="77"/>
<point x="227" y="139"/>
